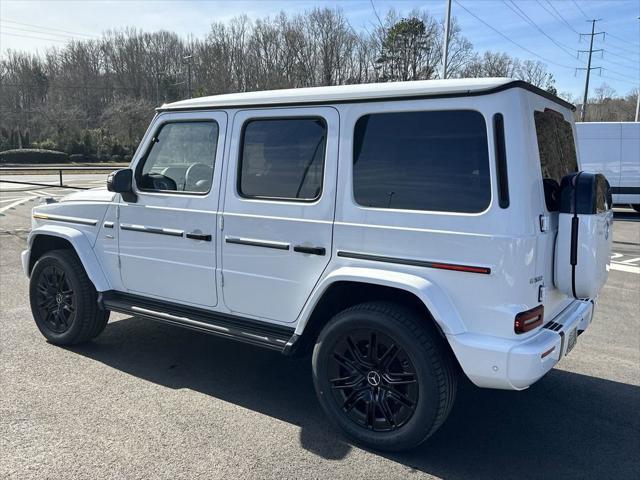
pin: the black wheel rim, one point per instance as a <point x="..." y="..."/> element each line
<point x="55" y="299"/>
<point x="373" y="380"/>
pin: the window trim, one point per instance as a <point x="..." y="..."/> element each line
<point x="500" y="152"/>
<point x="241" y="155"/>
<point x="144" y="157"/>
<point x="422" y="211"/>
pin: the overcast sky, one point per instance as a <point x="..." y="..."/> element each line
<point x="36" y="25"/>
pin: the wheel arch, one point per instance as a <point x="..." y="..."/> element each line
<point x="53" y="237"/>
<point x="348" y="286"/>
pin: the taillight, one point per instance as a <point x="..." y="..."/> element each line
<point x="529" y="320"/>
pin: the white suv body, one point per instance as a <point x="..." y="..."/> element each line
<point x="266" y="253"/>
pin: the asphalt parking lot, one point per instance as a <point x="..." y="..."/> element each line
<point x="145" y="400"/>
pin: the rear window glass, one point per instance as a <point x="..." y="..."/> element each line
<point x="557" y="152"/>
<point x="435" y="161"/>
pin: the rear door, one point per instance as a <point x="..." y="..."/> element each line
<point x="556" y="158"/>
<point x="278" y="209"/>
<point x="166" y="237"/>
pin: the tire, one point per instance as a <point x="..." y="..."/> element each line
<point x="636" y="207"/>
<point x="64" y="302"/>
<point x="403" y="414"/>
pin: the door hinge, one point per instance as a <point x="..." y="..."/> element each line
<point x="119" y="262"/>
<point x="221" y="222"/>
<point x="544" y="223"/>
<point x="542" y="293"/>
<point x="221" y="279"/>
<point x="118" y="211"/>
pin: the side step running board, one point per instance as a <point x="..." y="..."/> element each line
<point x="266" y="335"/>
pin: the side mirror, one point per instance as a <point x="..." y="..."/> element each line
<point x="121" y="181"/>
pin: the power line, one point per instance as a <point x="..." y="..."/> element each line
<point x="620" y="80"/>
<point x="34" y="37"/>
<point x="510" y="40"/>
<point x="528" y="19"/>
<point x="616" y="55"/>
<point x="621" y="65"/>
<point x="623" y="40"/>
<point x="623" y="49"/>
<point x="564" y="20"/>
<point x="63" y="35"/>
<point x="49" y="28"/>
<point x="580" y="9"/>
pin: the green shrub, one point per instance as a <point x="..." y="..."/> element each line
<point x="116" y="158"/>
<point x="33" y="155"/>
<point x="46" y="144"/>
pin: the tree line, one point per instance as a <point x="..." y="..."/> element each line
<point x="95" y="97"/>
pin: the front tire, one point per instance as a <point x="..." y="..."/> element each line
<point x="636" y="207"/>
<point x="383" y="375"/>
<point x="64" y="302"/>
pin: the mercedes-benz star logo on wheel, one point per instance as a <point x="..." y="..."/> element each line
<point x="373" y="378"/>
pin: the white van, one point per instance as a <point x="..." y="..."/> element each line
<point x="613" y="149"/>
<point x="402" y="234"/>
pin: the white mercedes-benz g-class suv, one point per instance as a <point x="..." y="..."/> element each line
<point x="402" y="234"/>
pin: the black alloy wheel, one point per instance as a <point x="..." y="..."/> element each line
<point x="373" y="380"/>
<point x="384" y="375"/>
<point x="64" y="301"/>
<point x="55" y="299"/>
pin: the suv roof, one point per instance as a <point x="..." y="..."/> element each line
<point x="359" y="93"/>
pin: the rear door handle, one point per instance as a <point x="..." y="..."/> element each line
<point x="310" y="250"/>
<point x="199" y="236"/>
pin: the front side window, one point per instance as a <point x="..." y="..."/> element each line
<point x="430" y="160"/>
<point x="282" y="158"/>
<point x="557" y="153"/>
<point x="181" y="158"/>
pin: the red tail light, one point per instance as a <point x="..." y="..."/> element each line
<point x="529" y="320"/>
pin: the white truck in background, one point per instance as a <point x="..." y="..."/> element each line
<point x="613" y="149"/>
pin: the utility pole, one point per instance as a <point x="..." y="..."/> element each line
<point x="188" y="60"/>
<point x="445" y="50"/>
<point x="593" y="33"/>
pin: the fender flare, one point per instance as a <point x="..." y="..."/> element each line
<point x="434" y="298"/>
<point x="82" y="247"/>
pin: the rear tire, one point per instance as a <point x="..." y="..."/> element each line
<point x="392" y="396"/>
<point x="64" y="302"/>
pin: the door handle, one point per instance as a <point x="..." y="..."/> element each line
<point x="310" y="250"/>
<point x="199" y="236"/>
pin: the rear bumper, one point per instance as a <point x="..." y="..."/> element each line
<point x="493" y="362"/>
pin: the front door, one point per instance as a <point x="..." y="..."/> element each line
<point x="167" y="237"/>
<point x="278" y="209"/>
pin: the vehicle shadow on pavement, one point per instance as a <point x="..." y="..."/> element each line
<point x="566" y="426"/>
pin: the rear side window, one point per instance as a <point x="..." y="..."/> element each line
<point x="282" y="159"/>
<point x="436" y="161"/>
<point x="557" y="152"/>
